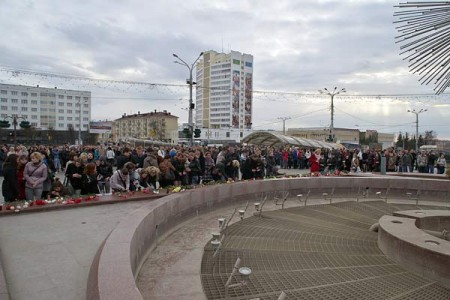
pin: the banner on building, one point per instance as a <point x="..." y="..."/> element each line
<point x="100" y="127"/>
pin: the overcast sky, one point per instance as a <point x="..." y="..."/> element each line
<point x="298" y="48"/>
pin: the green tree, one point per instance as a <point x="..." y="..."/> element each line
<point x="421" y="141"/>
<point x="399" y="143"/>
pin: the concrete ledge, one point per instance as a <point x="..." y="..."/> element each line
<point x="107" y="199"/>
<point x="401" y="240"/>
<point x="435" y="220"/>
<point x="128" y="244"/>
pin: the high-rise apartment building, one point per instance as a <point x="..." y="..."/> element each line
<point x="224" y="97"/>
<point x="46" y="108"/>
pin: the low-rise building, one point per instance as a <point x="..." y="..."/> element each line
<point x="158" y="126"/>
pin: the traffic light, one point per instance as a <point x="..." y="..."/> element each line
<point x="25" y="124"/>
<point x="187" y="133"/>
<point x="197" y="132"/>
<point x="4" y="124"/>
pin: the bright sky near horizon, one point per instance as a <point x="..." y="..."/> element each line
<point x="299" y="47"/>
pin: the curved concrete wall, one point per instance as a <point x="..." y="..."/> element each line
<point x="126" y="247"/>
<point x="401" y="240"/>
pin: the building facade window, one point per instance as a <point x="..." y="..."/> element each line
<point x="14" y="93"/>
<point x="14" y="100"/>
<point x="4" y="92"/>
<point x="24" y="101"/>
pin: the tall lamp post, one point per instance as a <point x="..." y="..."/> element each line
<point x="417" y="112"/>
<point x="14" y="119"/>
<point x="284" y="123"/>
<point x="191" y="83"/>
<point x="332" y="94"/>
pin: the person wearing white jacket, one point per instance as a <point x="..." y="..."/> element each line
<point x="120" y="180"/>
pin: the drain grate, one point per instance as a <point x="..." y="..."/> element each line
<point x="314" y="252"/>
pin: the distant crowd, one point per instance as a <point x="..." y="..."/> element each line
<point x="29" y="172"/>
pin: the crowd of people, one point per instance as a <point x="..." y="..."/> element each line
<point x="29" y="173"/>
<point x="362" y="161"/>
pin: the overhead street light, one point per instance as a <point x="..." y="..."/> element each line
<point x="332" y="94"/>
<point x="417" y="124"/>
<point x="14" y="118"/>
<point x="191" y="83"/>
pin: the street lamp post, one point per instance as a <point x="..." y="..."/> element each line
<point x="191" y="83"/>
<point x="332" y="94"/>
<point x="417" y="124"/>
<point x="14" y="119"/>
<point x="284" y="123"/>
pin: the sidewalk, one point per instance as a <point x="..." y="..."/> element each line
<point x="47" y="255"/>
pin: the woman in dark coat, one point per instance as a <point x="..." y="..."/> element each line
<point x="89" y="180"/>
<point x="74" y="172"/>
<point x="10" y="187"/>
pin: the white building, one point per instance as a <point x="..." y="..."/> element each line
<point x="224" y="98"/>
<point x="46" y="108"/>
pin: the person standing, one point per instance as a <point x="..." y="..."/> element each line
<point x="441" y="164"/>
<point x="3" y="151"/>
<point x="22" y="161"/>
<point x="35" y="174"/>
<point x="431" y="162"/>
<point x="422" y="162"/>
<point x="10" y="187"/>
<point x="56" y="158"/>
<point x="110" y="155"/>
<point x="122" y="159"/>
<point x="314" y="162"/>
